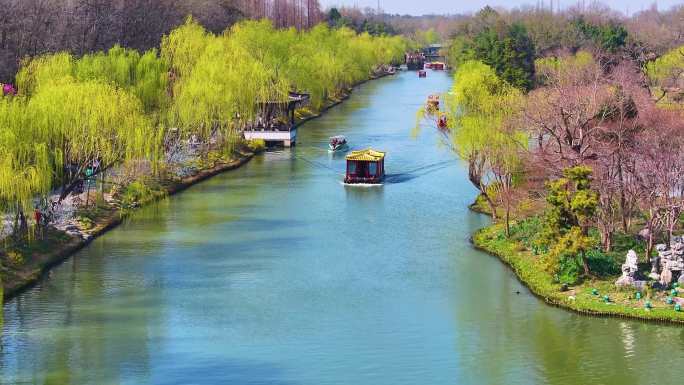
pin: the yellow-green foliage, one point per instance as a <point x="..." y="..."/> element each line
<point x="89" y="120"/>
<point x="254" y="62"/>
<point x="426" y="37"/>
<point x="257" y="145"/>
<point x="666" y="73"/>
<point x="25" y="157"/>
<point x="478" y="107"/>
<point x="112" y="106"/>
<point x="15" y="258"/>
<point x="667" y="67"/>
<point x="66" y="122"/>
<point x="565" y="67"/>
<point x="145" y="76"/>
<point x="136" y="193"/>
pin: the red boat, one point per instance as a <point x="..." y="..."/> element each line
<point x="438" y="66"/>
<point x="422" y="74"/>
<point x="442" y="122"/>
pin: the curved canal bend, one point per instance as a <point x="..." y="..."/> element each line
<point x="278" y="274"/>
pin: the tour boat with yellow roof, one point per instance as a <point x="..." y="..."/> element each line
<point x="365" y="167"/>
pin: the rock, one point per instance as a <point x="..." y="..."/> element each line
<point x="680" y="281"/>
<point x="625" y="281"/>
<point x="564" y="287"/>
<point x="629" y="270"/>
<point x="666" y="277"/>
<point x="632" y="260"/>
<point x="654" y="276"/>
<point x="640" y="285"/>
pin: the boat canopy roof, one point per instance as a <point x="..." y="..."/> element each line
<point x="338" y="137"/>
<point x="368" y="155"/>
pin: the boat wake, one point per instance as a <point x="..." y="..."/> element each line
<point x="417" y="172"/>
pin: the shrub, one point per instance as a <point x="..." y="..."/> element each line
<point x="135" y="193"/>
<point x="256" y="145"/>
<point x="85" y="222"/>
<point x="15" y="258"/>
<point x="569" y="269"/>
<point x="602" y="264"/>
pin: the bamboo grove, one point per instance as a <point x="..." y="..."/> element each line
<point x="118" y="107"/>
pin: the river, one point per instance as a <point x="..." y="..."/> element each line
<point x="276" y="273"/>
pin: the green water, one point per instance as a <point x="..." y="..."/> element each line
<point x="278" y="274"/>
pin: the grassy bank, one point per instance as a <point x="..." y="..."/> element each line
<point x="586" y="297"/>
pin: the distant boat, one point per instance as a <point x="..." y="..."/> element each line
<point x="432" y="104"/>
<point x="442" y="122"/>
<point x="422" y="74"/>
<point x="438" y="66"/>
<point x="337" y="143"/>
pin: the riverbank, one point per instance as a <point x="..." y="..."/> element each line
<point x="40" y="256"/>
<point x="584" y="298"/>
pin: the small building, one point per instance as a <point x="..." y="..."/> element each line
<point x="365" y="167"/>
<point x="275" y="122"/>
<point x="414" y="61"/>
<point x="432" y="51"/>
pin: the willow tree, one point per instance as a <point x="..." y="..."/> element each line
<point x="90" y="123"/>
<point x="43" y="70"/>
<point x="313" y="65"/>
<point x="222" y="90"/>
<point x="480" y="110"/>
<point x="183" y="47"/>
<point x="25" y="161"/>
<point x="145" y="76"/>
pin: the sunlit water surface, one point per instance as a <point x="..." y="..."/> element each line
<point x="279" y="274"/>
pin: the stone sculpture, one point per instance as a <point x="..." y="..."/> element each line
<point x="629" y="270"/>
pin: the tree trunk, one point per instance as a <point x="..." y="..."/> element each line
<point x="607" y="241"/>
<point x="489" y="200"/>
<point x="23" y="224"/>
<point x="508" y="220"/>
<point x="649" y="246"/>
<point x="623" y="199"/>
<point x="585" y="264"/>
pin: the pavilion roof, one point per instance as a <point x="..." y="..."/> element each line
<point x="367" y="155"/>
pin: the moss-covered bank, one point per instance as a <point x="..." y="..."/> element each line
<point x="580" y="298"/>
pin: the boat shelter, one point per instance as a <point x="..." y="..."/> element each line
<point x="365" y="166"/>
<point x="275" y="122"/>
